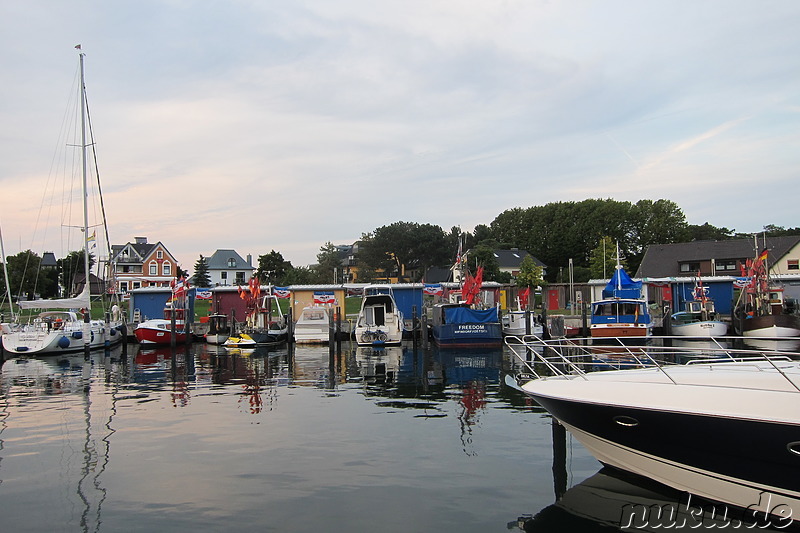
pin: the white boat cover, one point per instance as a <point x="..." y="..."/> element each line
<point x="80" y="301"/>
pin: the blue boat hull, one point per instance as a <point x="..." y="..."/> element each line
<point x="468" y="335"/>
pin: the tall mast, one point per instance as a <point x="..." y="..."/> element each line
<point x="85" y="185"/>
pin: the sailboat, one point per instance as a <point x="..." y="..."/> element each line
<point x="66" y="325"/>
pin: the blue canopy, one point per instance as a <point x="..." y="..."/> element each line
<point x="465" y="315"/>
<point x="622" y="286"/>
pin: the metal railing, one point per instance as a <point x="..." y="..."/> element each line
<point x="574" y="358"/>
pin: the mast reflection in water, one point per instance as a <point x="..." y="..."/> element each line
<point x="288" y="439"/>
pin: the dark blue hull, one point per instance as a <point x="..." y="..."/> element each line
<point x="468" y="335"/>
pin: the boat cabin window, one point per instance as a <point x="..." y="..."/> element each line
<point x="617" y="308"/>
<point x="316" y="314"/>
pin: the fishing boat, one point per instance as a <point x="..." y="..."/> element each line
<point x="379" y="320"/>
<point x="762" y="309"/>
<point x="313" y="325"/>
<point x="622" y="310"/>
<point x="699" y="317"/>
<point x="457" y="325"/>
<point x="726" y="428"/>
<point x="65" y="325"/>
<point x="265" y="322"/>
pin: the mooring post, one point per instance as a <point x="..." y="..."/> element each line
<point x="338" y="329"/>
<point x="290" y="325"/>
<point x="424" y="330"/>
<point x="172" y="331"/>
<point x="414" y="327"/>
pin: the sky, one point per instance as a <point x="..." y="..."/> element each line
<point x="270" y="125"/>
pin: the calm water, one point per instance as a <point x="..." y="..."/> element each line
<point x="206" y="440"/>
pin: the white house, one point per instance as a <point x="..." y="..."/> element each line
<point x="226" y="267"/>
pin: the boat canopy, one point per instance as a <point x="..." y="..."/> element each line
<point x="80" y="301"/>
<point x="622" y="286"/>
<point x="466" y="315"/>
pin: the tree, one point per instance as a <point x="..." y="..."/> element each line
<point x="272" y="268"/>
<point x="603" y="259"/>
<point x="659" y="222"/>
<point x="201" y="277"/>
<point x="298" y="276"/>
<point x="329" y="264"/>
<point x="706" y="232"/>
<point x="70" y="267"/>
<point x="23" y="273"/>
<point x="530" y="274"/>
<point x="483" y="256"/>
<point x="779" y="231"/>
<point x="404" y="248"/>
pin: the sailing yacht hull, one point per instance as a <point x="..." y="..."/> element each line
<point x="70" y="338"/>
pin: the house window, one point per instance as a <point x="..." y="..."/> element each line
<point x="231" y="263"/>
<point x="153" y="269"/>
<point x="240" y="278"/>
<point x="167" y="269"/>
<point x="690" y="267"/>
<point x="159" y="254"/>
<point x="794" y="264"/>
<point x="725" y="266"/>
<point x="223" y="275"/>
<point x="137" y="284"/>
<point x="123" y="286"/>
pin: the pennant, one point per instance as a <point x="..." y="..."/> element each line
<point x="202" y="294"/>
<point x="433" y="289"/>
<point x="91" y="241"/>
<point x="324" y="297"/>
<point x="282" y="292"/>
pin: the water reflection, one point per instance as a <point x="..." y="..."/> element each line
<point x="113" y="436"/>
<point x="84" y="392"/>
<point x="612" y="500"/>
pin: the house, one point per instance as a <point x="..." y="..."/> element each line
<point x="227" y="267"/>
<point x="508" y="260"/>
<point x="719" y="258"/>
<point x="669" y="270"/>
<point x="141" y="264"/>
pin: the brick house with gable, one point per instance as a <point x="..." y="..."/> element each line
<point x="141" y="264"/>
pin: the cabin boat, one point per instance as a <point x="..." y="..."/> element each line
<point x="379" y="321"/>
<point x="459" y="325"/>
<point x="513" y="323"/>
<point x="218" y="329"/>
<point x="725" y="428"/>
<point x="700" y="319"/>
<point x="313" y="325"/>
<point x="159" y="330"/>
<point x="622" y="311"/>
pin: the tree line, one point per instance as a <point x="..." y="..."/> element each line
<point x="586" y="233"/>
